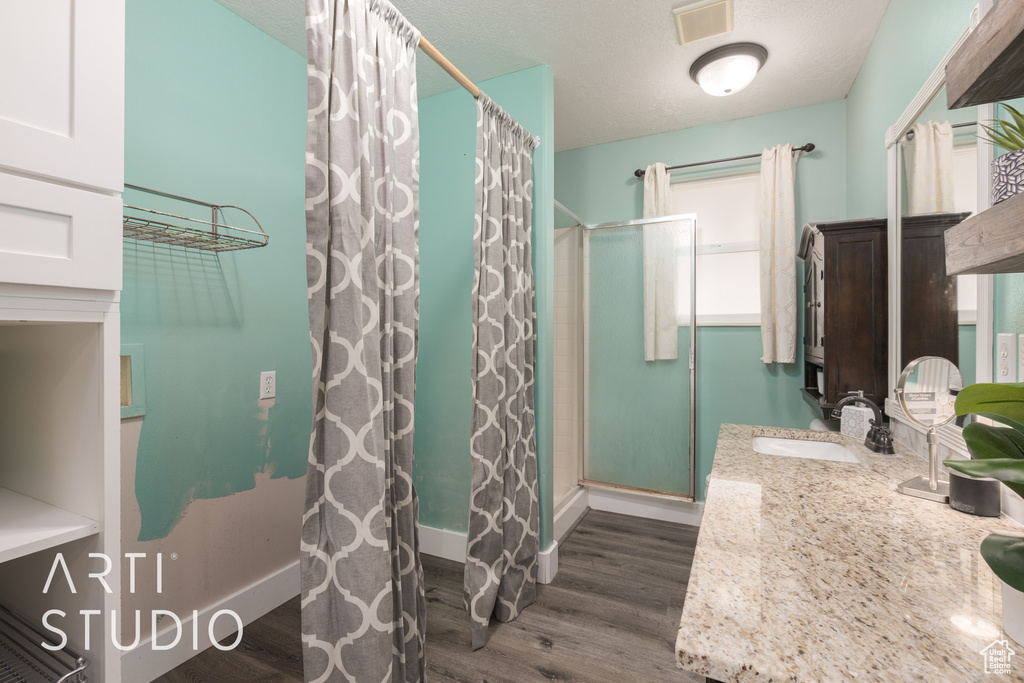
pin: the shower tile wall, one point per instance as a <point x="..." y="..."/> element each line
<point x="567" y="359"/>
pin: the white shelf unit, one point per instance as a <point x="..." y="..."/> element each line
<point x="61" y="175"/>
<point x="60" y="462"/>
<point x="28" y="526"/>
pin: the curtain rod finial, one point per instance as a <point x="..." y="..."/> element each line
<point x="809" y="147"/>
<point x="639" y="173"/>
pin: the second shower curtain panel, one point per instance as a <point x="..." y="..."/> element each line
<point x="501" y="562"/>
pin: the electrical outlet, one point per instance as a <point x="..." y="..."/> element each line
<point x="268" y="384"/>
<point x="1006" y="358"/>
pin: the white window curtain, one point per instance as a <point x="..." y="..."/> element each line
<point x="661" y="331"/>
<point x="928" y="159"/>
<point x="778" y="255"/>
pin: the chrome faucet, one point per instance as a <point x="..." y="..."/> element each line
<point x="879" y="438"/>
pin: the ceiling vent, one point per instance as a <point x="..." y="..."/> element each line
<point x="700" y="20"/>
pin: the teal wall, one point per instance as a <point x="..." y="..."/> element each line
<point x="447" y="205"/>
<point x="913" y="36"/>
<point x="1009" y="306"/>
<point x="733" y="385"/>
<point x="968" y="353"/>
<point x="216" y="110"/>
<point x="597" y="183"/>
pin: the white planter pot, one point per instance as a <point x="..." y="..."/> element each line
<point x="1013" y="613"/>
<point x="1007" y="175"/>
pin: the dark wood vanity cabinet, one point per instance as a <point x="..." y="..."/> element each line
<point x="928" y="297"/>
<point x="846" y="310"/>
<point x="846" y="304"/>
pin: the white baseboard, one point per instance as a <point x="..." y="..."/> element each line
<point x="143" y="664"/>
<point x="644" y="505"/>
<point x="570" y="512"/>
<point x="451" y="545"/>
<point x="547" y="564"/>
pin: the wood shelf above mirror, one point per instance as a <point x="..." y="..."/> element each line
<point x="989" y="66"/>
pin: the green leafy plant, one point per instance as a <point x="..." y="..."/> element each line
<point x="999" y="453"/>
<point x="1007" y="133"/>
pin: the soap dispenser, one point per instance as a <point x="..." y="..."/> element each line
<point x="856" y="418"/>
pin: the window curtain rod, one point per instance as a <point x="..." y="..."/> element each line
<point x="443" y="62"/>
<point x="809" y="147"/>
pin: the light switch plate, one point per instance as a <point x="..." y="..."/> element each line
<point x="1006" y="358"/>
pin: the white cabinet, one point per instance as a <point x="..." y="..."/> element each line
<point x="57" y="235"/>
<point x="62" y="90"/>
<point x="61" y="175"/>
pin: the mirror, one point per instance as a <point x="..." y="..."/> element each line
<point x="926" y="392"/>
<point x="934" y="184"/>
<point x="939" y="189"/>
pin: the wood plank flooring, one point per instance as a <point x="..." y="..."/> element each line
<point x="610" y="615"/>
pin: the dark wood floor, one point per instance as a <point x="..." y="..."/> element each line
<point x="611" y="614"/>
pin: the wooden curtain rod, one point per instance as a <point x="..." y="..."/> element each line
<point x="443" y="62"/>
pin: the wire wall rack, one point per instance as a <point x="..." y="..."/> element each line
<point x="179" y="230"/>
<point x="24" y="660"/>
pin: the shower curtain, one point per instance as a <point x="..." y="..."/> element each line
<point x="661" y="325"/>
<point x="928" y="158"/>
<point x="778" y="254"/>
<point x="501" y="552"/>
<point x="362" y="583"/>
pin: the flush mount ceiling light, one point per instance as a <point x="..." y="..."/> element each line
<point x="728" y="69"/>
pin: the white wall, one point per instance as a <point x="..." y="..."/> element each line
<point x="567" y="356"/>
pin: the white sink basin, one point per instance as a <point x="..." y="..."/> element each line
<point x="797" y="448"/>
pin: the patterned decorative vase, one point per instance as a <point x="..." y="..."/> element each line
<point x="1007" y="175"/>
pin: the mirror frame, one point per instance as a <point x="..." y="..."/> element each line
<point x="931" y="88"/>
<point x="901" y="390"/>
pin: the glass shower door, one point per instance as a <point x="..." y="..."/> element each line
<point x="638" y="414"/>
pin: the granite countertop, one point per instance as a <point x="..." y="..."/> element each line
<point x="811" y="570"/>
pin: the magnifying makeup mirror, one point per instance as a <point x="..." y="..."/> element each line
<point x="926" y="392"/>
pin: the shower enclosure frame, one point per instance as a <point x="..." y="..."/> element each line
<point x="583" y="360"/>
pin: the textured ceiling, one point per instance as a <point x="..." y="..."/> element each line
<point x="619" y="71"/>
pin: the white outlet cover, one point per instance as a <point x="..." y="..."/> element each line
<point x="1006" y="358"/>
<point x="268" y="384"/>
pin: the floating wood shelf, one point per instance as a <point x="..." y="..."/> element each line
<point x="989" y="242"/>
<point x="989" y="66"/>
<point x="28" y="526"/>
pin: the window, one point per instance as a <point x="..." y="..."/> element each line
<point x="728" y="268"/>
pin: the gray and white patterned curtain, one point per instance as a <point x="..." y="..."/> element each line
<point x="362" y="582"/>
<point x="501" y="562"/>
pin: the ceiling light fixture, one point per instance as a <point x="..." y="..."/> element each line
<point x="728" y="69"/>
